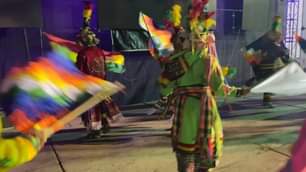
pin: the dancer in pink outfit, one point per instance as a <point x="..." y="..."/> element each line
<point x="297" y="163"/>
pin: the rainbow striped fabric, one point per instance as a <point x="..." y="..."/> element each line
<point x="43" y="91"/>
<point x="161" y="38"/>
<point x="114" y="60"/>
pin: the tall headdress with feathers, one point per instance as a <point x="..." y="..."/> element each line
<point x="87" y="13"/>
<point x="175" y="15"/>
<point x="276" y="30"/>
<point x="277" y="24"/>
<point x="87" y="37"/>
<point x="200" y="20"/>
<point x="173" y="20"/>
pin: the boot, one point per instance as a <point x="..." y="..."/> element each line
<point x="105" y="125"/>
<point x="267" y="100"/>
<point x="94" y="134"/>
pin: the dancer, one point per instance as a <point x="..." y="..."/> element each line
<point x="267" y="55"/>
<point x="297" y="162"/>
<point x="302" y="42"/>
<point x="195" y="75"/>
<point x="92" y="60"/>
<point x="39" y="99"/>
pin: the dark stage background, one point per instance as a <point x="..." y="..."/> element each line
<point x="121" y="14"/>
<point x="20" y="13"/>
<point x="64" y="18"/>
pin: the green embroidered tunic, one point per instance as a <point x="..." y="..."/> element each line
<point x="197" y="126"/>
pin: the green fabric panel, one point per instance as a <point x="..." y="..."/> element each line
<point x="167" y="90"/>
<point x="190" y="125"/>
<point x="195" y="73"/>
<point x="115" y="68"/>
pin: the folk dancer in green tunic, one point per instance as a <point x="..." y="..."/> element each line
<point x="194" y="78"/>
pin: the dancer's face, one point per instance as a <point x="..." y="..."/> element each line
<point x="181" y="41"/>
<point x="276" y="37"/>
<point x="88" y="38"/>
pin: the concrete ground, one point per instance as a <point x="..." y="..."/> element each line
<point x="256" y="140"/>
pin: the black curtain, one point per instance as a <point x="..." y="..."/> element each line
<point x="130" y="40"/>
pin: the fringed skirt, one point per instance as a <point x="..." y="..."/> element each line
<point x="197" y="126"/>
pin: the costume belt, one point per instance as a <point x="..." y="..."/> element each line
<point x="276" y="65"/>
<point x="190" y="90"/>
<point x="187" y="91"/>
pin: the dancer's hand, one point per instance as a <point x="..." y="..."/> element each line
<point x="243" y="91"/>
<point x="42" y="135"/>
<point x="246" y="91"/>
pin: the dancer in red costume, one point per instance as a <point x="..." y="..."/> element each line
<point x="92" y="60"/>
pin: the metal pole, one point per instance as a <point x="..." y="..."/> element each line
<point x="26" y="42"/>
<point x="112" y="39"/>
<point x="233" y="22"/>
<point x="41" y="42"/>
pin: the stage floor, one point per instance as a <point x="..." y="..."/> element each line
<point x="257" y="139"/>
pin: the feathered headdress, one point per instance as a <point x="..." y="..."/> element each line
<point x="87" y="13"/>
<point x="174" y="18"/>
<point x="277" y="24"/>
<point x="175" y="15"/>
<point x="276" y="31"/>
<point x="87" y="37"/>
<point x="199" y="19"/>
